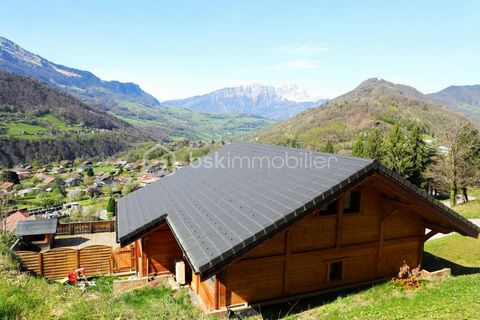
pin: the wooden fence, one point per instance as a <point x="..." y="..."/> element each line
<point x="86" y="227"/>
<point x="96" y="259"/>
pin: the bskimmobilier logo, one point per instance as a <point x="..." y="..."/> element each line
<point x="297" y="160"/>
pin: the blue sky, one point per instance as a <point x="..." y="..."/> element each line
<point x="180" y="48"/>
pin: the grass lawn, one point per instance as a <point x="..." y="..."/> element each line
<point x="54" y="121"/>
<point x="105" y="169"/>
<point x="23" y="130"/>
<point x="28" y="297"/>
<point x="471" y="209"/>
<point x="462" y="251"/>
<point x="453" y="298"/>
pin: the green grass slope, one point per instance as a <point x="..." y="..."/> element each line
<point x="27" y="297"/>
<point x="453" y="298"/>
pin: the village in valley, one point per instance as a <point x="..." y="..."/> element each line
<point x="84" y="190"/>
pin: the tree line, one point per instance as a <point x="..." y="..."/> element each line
<point x="451" y="168"/>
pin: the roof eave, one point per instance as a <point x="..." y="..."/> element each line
<point x="464" y="226"/>
<point x="138" y="233"/>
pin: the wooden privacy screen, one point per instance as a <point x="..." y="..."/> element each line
<point x="97" y="260"/>
<point x="57" y="262"/>
<point x="30" y="260"/>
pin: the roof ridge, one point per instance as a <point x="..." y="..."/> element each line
<point x="298" y="149"/>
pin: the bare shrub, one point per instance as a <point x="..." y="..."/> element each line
<point x="409" y="278"/>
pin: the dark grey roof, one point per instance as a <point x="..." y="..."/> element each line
<point x="36" y="227"/>
<point x="215" y="212"/>
<point x="219" y="212"/>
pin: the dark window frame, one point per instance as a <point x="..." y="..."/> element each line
<point x="336" y="270"/>
<point x="356" y="197"/>
<point x="328" y="209"/>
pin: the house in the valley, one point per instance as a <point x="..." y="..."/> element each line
<point x="254" y="223"/>
<point x="48" y="180"/>
<point x="147" y="179"/>
<point x="9" y="224"/>
<point x="6" y="186"/>
<point x="73" y="181"/>
<point x="42" y="170"/>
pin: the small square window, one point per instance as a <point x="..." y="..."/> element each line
<point x="351" y="202"/>
<point x="329" y="209"/>
<point x="335" y="271"/>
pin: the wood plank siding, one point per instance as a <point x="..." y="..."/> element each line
<point x="371" y="244"/>
<point x="158" y="252"/>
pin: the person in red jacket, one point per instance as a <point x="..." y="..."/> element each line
<point x="74" y="275"/>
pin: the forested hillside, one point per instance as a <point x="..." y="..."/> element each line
<point x="42" y="123"/>
<point x="373" y="104"/>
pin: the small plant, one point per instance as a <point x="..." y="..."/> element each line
<point x="409" y="278"/>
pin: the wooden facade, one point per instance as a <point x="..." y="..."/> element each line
<point x="328" y="248"/>
<point x="157" y="252"/>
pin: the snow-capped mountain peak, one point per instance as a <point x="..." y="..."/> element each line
<point x="267" y="101"/>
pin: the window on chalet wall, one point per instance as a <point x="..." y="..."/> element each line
<point x="351" y="202"/>
<point x="329" y="209"/>
<point x="335" y="271"/>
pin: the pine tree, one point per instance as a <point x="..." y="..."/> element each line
<point x="358" y="147"/>
<point x="111" y="205"/>
<point x="90" y="172"/>
<point x="373" y="146"/>
<point x="421" y="155"/>
<point x="398" y="153"/>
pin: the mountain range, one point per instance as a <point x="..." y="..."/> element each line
<point x="375" y="103"/>
<point x="466" y="99"/>
<point x="126" y="101"/>
<point x="278" y="103"/>
<point x="82" y="84"/>
<point x="66" y="112"/>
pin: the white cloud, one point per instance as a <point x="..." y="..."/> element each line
<point x="304" y="49"/>
<point x="297" y="64"/>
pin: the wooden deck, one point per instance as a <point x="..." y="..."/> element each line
<point x="84" y="240"/>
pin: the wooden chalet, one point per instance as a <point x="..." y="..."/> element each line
<point x="250" y="234"/>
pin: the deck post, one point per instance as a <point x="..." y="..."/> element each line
<point x="40" y="263"/>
